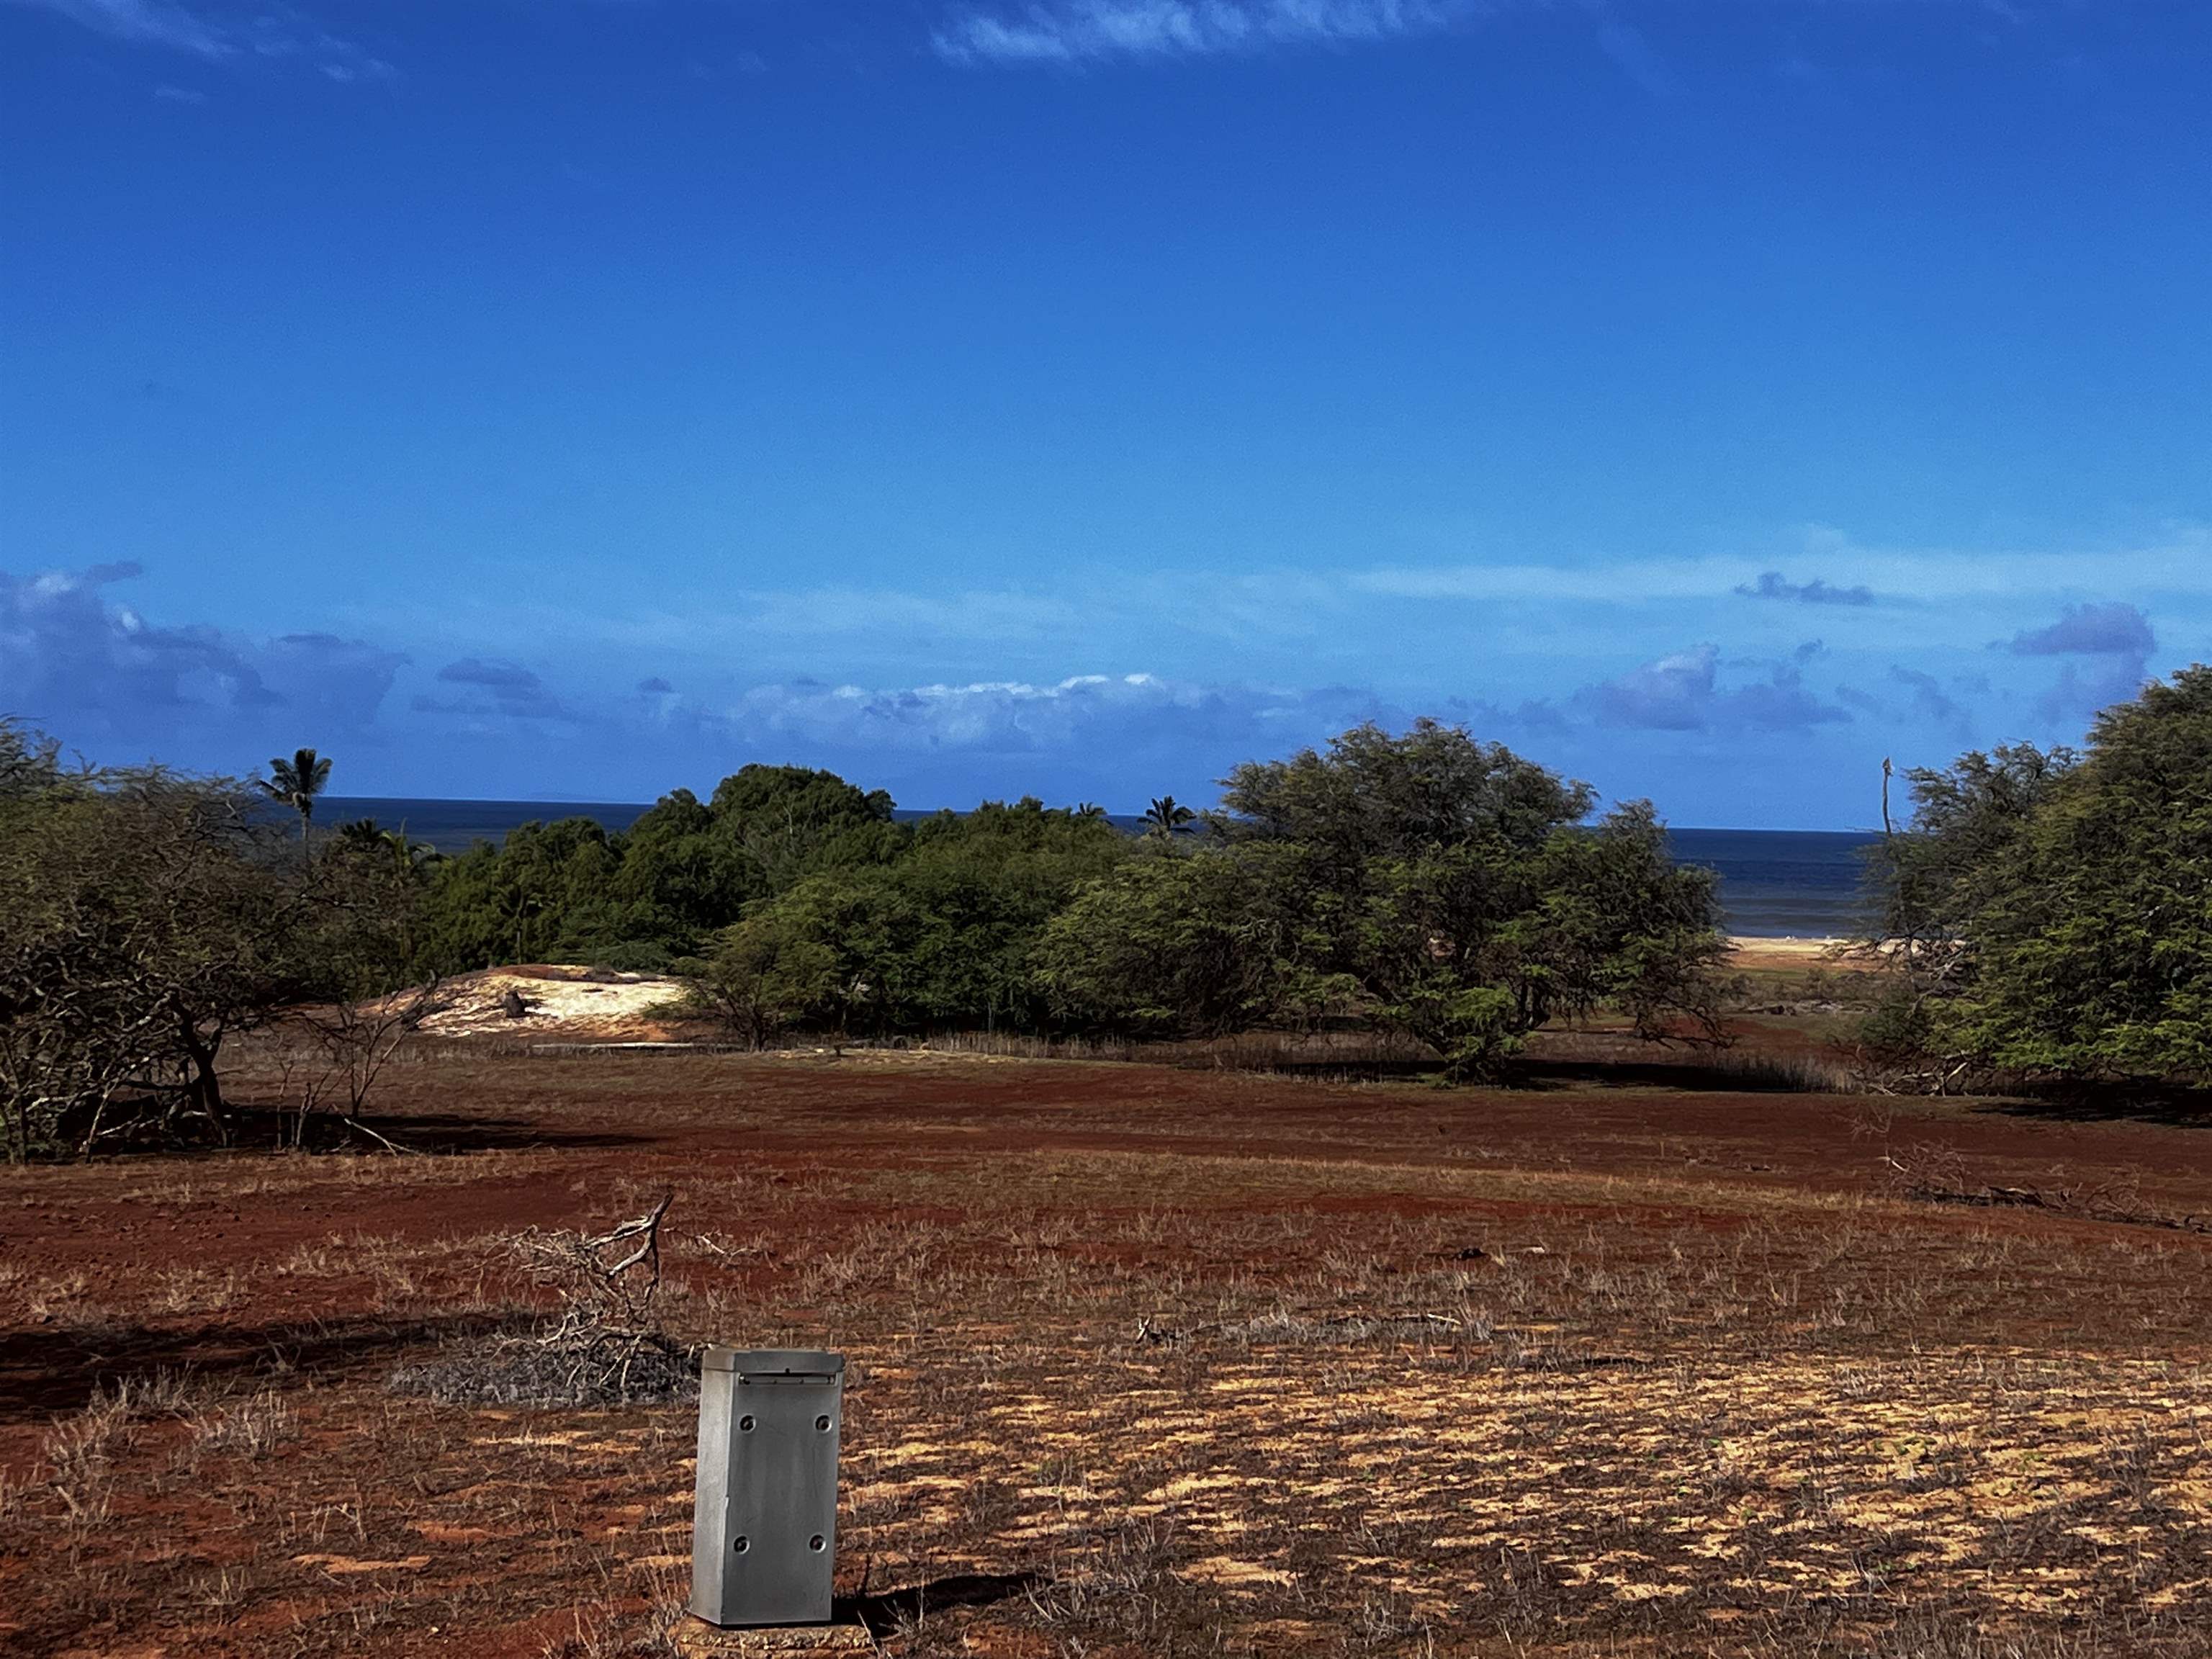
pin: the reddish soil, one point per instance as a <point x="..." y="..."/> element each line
<point x="1047" y="1274"/>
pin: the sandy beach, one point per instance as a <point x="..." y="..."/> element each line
<point x="1746" y="953"/>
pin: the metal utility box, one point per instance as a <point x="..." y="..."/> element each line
<point x="765" y="1531"/>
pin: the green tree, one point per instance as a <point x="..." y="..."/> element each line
<point x="296" y="782"/>
<point x="1172" y="946"/>
<point x="546" y="895"/>
<point x="763" y="976"/>
<point x="992" y="879"/>
<point x="659" y="891"/>
<point x="2070" y="898"/>
<point x="1929" y="885"/>
<point x="941" y="936"/>
<point x="790" y="821"/>
<point x="1457" y="885"/>
<point x="144" y="922"/>
<point x="365" y="838"/>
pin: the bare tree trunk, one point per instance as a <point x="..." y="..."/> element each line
<point x="204" y="1087"/>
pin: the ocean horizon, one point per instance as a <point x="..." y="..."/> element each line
<point x="1775" y="883"/>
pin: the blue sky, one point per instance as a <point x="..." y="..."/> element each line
<point x="574" y="398"/>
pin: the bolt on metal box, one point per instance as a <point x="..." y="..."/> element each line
<point x="764" y="1535"/>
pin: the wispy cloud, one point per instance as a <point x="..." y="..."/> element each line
<point x="1636" y="57"/>
<point x="97" y="673"/>
<point x="493" y="707"/>
<point x="1075" y="30"/>
<point x="220" y="31"/>
<point x="1771" y="585"/>
<point x="2179" y="565"/>
<point x="143" y="22"/>
<point x="1020" y="717"/>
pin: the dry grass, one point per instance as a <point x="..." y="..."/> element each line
<point x="1150" y="1362"/>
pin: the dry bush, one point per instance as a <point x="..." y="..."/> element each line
<point x="603" y="1344"/>
<point x="1804" y="1074"/>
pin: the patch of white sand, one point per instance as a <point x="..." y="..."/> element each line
<point x="557" y="1001"/>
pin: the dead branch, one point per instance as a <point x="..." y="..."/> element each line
<point x="606" y="1284"/>
<point x="1937" y="1174"/>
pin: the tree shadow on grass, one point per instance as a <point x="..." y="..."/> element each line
<point x="43" y="1371"/>
<point x="1691" y="1074"/>
<point x="2175" y="1105"/>
<point x="444" y="1133"/>
<point x="264" y="1128"/>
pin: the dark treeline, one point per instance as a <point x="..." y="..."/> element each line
<point x="2041" y="914"/>
<point x="1428" y="883"/>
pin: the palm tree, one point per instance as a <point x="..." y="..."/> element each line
<point x="367" y="838"/>
<point x="1089" y="813"/>
<point x="412" y="858"/>
<point x="362" y="836"/>
<point x="1165" y="816"/>
<point x="296" y="782"/>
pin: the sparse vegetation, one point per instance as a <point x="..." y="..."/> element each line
<point x="146" y="918"/>
<point x="1146" y="1361"/>
<point x="1280" y="1347"/>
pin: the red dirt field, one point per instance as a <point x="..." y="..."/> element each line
<point x="1145" y="1360"/>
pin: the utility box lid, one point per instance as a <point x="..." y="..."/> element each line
<point x="773" y="1362"/>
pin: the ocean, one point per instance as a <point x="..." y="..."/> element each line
<point x="1775" y="883"/>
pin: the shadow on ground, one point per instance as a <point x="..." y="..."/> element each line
<point x="2174" y="1106"/>
<point x="43" y="1372"/>
<point x="267" y="1127"/>
<point x="890" y="1610"/>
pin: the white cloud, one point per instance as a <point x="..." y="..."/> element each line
<point x="1102" y="711"/>
<point x="220" y="31"/>
<point x="143" y="22"/>
<point x="99" y="673"/>
<point x="1682" y="692"/>
<point x="1073" y="31"/>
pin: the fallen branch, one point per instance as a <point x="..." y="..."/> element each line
<point x="1935" y="1175"/>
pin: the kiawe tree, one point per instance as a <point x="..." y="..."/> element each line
<point x="145" y="919"/>
<point x="761" y="975"/>
<point x="2053" y="912"/>
<point x="1460" y="888"/>
<point x="1430" y="882"/>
